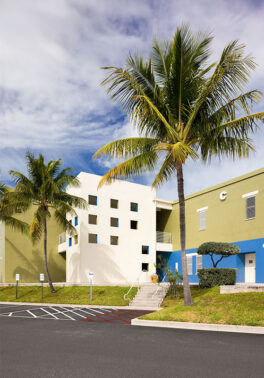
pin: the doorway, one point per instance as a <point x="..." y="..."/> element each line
<point x="250" y="267"/>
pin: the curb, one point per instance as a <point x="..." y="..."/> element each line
<point x="78" y="305"/>
<point x="198" y="326"/>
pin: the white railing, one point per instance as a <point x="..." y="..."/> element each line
<point x="62" y="238"/>
<point x="163" y="237"/>
<point x="131" y="287"/>
<point x="164" y="288"/>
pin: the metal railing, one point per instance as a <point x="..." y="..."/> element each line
<point x="164" y="288"/>
<point x="62" y="238"/>
<point x="131" y="287"/>
<point x="163" y="237"/>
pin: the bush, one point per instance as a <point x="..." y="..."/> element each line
<point x="213" y="248"/>
<point x="210" y="277"/>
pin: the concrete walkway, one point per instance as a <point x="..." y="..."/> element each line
<point x="198" y="326"/>
<point x="80" y="305"/>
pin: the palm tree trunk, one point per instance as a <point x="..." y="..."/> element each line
<point x="45" y="254"/>
<point x="186" y="286"/>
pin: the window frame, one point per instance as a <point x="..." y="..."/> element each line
<point x="131" y="205"/>
<point x="145" y="253"/>
<point x="92" y="234"/>
<point x="200" y="257"/>
<point x="145" y="270"/>
<point x="90" y="196"/>
<point x="92" y="215"/>
<point x="132" y="228"/>
<point x="250" y="207"/>
<point x="189" y="259"/>
<point x="116" y="238"/>
<point x="111" y="203"/>
<point x="117" y="223"/>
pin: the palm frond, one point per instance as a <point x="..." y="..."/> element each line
<point x="166" y="171"/>
<point x="124" y="148"/>
<point x="135" y="166"/>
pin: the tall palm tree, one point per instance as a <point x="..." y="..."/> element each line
<point x="184" y="108"/>
<point x="7" y="211"/>
<point x="45" y="189"/>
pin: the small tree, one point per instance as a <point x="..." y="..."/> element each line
<point x="174" y="278"/>
<point x="223" y="249"/>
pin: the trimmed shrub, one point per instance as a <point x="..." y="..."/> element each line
<point x="210" y="277"/>
<point x="213" y="248"/>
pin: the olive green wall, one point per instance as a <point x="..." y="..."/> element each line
<point x="21" y="256"/>
<point x="225" y="220"/>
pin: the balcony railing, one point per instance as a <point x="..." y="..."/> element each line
<point x="163" y="237"/>
<point x="62" y="238"/>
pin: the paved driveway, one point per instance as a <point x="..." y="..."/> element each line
<point x="89" y="314"/>
<point x="43" y="348"/>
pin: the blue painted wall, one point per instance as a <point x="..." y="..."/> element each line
<point x="238" y="261"/>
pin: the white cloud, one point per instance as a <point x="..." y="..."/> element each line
<point x="50" y="58"/>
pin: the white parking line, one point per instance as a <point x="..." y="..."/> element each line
<point x="92" y="309"/>
<point x="25" y="309"/>
<point x="49" y="313"/>
<point x="86" y="312"/>
<point x="62" y="312"/>
<point x="73" y="312"/>
<point x="10" y="314"/>
<point x="31" y="313"/>
<point x="108" y="310"/>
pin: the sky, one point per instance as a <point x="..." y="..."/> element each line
<point x="51" y="52"/>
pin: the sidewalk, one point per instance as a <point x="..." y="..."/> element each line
<point x="198" y="326"/>
<point x="79" y="305"/>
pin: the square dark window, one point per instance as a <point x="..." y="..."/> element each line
<point x="145" y="267"/>
<point x="133" y="225"/>
<point x="133" y="206"/>
<point x="114" y="222"/>
<point x="92" y="219"/>
<point x="145" y="249"/>
<point x="114" y="240"/>
<point x="92" y="238"/>
<point x="114" y="203"/>
<point x="92" y="200"/>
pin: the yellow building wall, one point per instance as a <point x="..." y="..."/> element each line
<point x="225" y="220"/>
<point x="22" y="257"/>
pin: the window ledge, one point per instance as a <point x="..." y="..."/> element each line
<point x="248" y="219"/>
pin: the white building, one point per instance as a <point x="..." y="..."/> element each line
<point x="116" y="237"/>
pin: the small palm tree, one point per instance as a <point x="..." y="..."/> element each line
<point x="184" y="108"/>
<point x="45" y="189"/>
<point x="7" y="210"/>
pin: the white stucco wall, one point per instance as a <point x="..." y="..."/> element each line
<point x="111" y="264"/>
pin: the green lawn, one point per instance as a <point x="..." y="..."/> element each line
<point x="212" y="307"/>
<point x="102" y="295"/>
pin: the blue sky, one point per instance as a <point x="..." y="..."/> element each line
<point x="50" y="58"/>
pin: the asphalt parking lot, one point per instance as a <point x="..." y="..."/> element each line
<point x="89" y="314"/>
<point x="36" y="347"/>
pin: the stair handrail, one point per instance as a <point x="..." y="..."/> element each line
<point x="133" y="285"/>
<point x="156" y="292"/>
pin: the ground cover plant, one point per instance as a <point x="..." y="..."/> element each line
<point x="102" y="295"/>
<point x="213" y="307"/>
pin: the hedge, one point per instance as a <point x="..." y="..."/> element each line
<point x="210" y="277"/>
